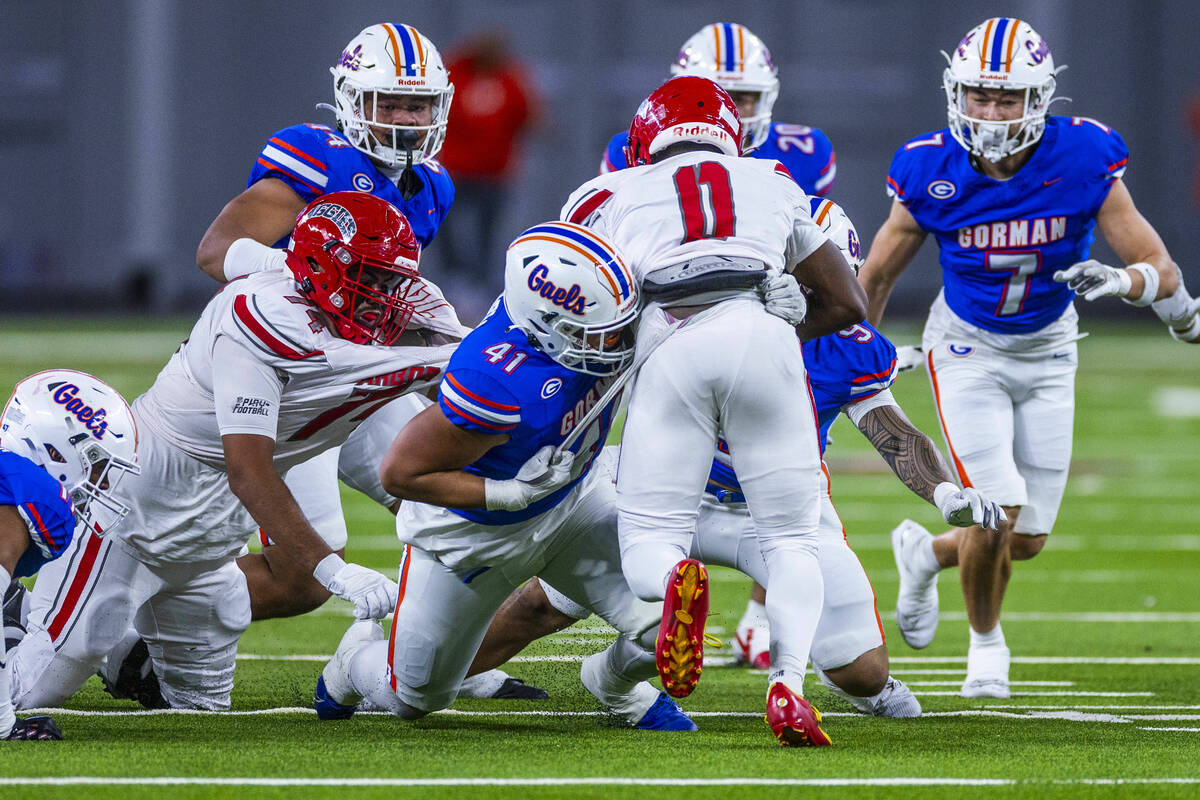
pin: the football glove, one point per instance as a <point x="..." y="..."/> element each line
<point x="39" y="728"/>
<point x="909" y="357"/>
<point x="546" y="471"/>
<point x="964" y="507"/>
<point x="373" y="595"/>
<point x="785" y="298"/>
<point x="1093" y="280"/>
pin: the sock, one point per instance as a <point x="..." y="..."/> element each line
<point x="993" y="638"/>
<point x="483" y="685"/>
<point x="755" y="616"/>
<point x="7" y="717"/>
<point x="368" y="676"/>
<point x="926" y="560"/>
<point x="607" y="676"/>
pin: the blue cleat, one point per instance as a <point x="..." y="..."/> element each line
<point x="328" y="708"/>
<point x="664" y="715"/>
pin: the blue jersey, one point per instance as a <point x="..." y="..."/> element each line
<point x="498" y="383"/>
<point x="806" y="152"/>
<point x="844" y="367"/>
<point x="43" y="505"/>
<point x="1000" y="242"/>
<point x="315" y="160"/>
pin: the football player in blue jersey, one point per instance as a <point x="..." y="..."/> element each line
<point x="737" y="60"/>
<point x="1012" y="196"/>
<point x="392" y="96"/>
<point x="66" y="439"/>
<point x="499" y="485"/>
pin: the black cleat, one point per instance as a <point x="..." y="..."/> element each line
<point x="136" y="679"/>
<point x="14" y="619"/>
<point x="517" y="689"/>
<point x="40" y="728"/>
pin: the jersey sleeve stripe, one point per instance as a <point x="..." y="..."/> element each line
<point x="276" y="168"/>
<point x="825" y="182"/>
<point x="823" y="211"/>
<point x="497" y="408"/>
<point x="57" y="543"/>
<point x="295" y="165"/>
<point x="296" y="151"/>
<point x="478" y="420"/>
<point x="877" y="375"/>
<point x="251" y="324"/>
<point x="780" y="169"/>
<point x="585" y="207"/>
<point x="1120" y="165"/>
<point x="895" y="189"/>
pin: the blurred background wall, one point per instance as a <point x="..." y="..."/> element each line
<point x="126" y="125"/>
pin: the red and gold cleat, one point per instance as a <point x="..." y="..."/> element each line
<point x="680" y="647"/>
<point x="794" y="722"/>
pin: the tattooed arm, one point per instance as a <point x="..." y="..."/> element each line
<point x="910" y="453"/>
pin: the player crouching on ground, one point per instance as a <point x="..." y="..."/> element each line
<point x="281" y="366"/>
<point x="67" y="439"/>
<point x="496" y="489"/>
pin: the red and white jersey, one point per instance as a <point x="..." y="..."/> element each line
<point x="261" y="360"/>
<point x="699" y="204"/>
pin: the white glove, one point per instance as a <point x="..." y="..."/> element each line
<point x="543" y="474"/>
<point x="785" y="298"/>
<point x="964" y="507"/>
<point x="374" y="595"/>
<point x="1182" y="318"/>
<point x="1094" y="280"/>
<point x="909" y="357"/>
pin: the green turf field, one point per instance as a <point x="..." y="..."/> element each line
<point x="1104" y="627"/>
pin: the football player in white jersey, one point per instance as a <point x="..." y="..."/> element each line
<point x="706" y="232"/>
<point x="280" y="366"/>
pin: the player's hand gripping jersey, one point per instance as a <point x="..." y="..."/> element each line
<point x="806" y="152"/>
<point x="699" y="204"/>
<point x="316" y="159"/>
<point x="44" y="508"/>
<point x="998" y="271"/>
<point x="261" y="361"/>
<point x="497" y="383"/>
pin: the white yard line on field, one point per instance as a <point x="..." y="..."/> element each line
<point x="403" y="783"/>
<point x="1011" y="683"/>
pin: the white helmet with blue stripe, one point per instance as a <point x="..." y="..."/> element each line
<point x="999" y="53"/>
<point x="81" y="431"/>
<point x="571" y="293"/>
<point x="735" y="59"/>
<point x="835" y="223"/>
<point x="388" y="59"/>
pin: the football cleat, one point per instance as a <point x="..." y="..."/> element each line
<point x="793" y="720"/>
<point x="752" y="644"/>
<point x="679" y="650"/>
<point x="987" y="673"/>
<point x="334" y="697"/>
<point x="14" y="614"/>
<point x="40" y="728"/>
<point x="136" y="679"/>
<point x="917" y="600"/>
<point x="517" y="689"/>
<point x="665" y="715"/>
<point x="896" y="700"/>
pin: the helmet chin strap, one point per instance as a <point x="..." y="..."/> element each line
<point x="409" y="183"/>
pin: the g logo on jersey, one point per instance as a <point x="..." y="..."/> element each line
<point x="363" y="182"/>
<point x="941" y="190"/>
<point x="959" y="351"/>
<point x="551" y="387"/>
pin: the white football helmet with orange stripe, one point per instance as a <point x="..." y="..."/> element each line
<point x="1000" y="53"/>
<point x="388" y="59"/>
<point x="81" y="431"/>
<point x="835" y="223"/>
<point x="731" y="56"/>
<point x="571" y="293"/>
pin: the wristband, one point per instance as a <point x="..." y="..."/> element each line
<point x="944" y="489"/>
<point x="327" y="568"/>
<point x="1149" y="291"/>
<point x="503" y="495"/>
<point x="246" y="257"/>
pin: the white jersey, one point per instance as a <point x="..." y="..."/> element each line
<point x="260" y="360"/>
<point x="699" y="203"/>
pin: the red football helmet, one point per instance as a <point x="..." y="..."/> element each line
<point x="684" y="109"/>
<point x="355" y="257"/>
